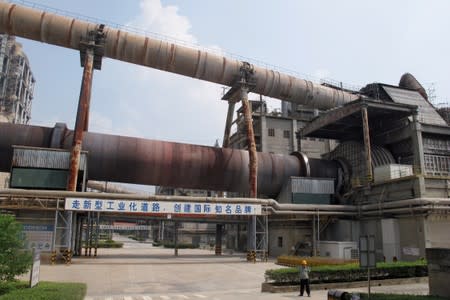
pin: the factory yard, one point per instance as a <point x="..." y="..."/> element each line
<point x="142" y="272"/>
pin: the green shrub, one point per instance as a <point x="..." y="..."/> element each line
<point x="292" y="261"/>
<point x="139" y="239"/>
<point x="156" y="244"/>
<point x="109" y="244"/>
<point x="14" y="260"/>
<point x="350" y="272"/>
<point x="106" y="244"/>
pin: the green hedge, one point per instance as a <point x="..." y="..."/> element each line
<point x="42" y="291"/>
<point x="350" y="272"/>
<point x="179" y="246"/>
<point x="109" y="244"/>
<point x="136" y="238"/>
<point x="293" y="261"/>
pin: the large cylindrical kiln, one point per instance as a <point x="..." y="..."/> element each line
<point x="122" y="45"/>
<point x="142" y="161"/>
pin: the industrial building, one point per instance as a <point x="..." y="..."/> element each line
<point x="336" y="164"/>
<point x="338" y="134"/>
<point x="16" y="87"/>
<point x="16" y="82"/>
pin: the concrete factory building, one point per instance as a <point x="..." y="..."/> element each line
<point x="16" y="86"/>
<point x="16" y="82"/>
<point x="407" y="161"/>
<point x="334" y="165"/>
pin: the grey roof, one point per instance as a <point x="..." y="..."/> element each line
<point x="427" y="113"/>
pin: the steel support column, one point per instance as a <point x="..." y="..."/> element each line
<point x="251" y="239"/>
<point x="367" y="148"/>
<point x="226" y="134"/>
<point x="262" y="236"/>
<point x="175" y="237"/>
<point x="219" y="231"/>
<point x="419" y="161"/>
<point x="314" y="240"/>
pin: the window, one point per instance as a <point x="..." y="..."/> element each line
<point x="271" y="132"/>
<point x="280" y="241"/>
<point x="286" y="134"/>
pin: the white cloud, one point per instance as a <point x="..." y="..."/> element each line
<point x="98" y="122"/>
<point x="161" y="105"/>
<point x="322" y="73"/>
<point x="163" y="20"/>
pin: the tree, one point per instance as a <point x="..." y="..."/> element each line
<point x="14" y="259"/>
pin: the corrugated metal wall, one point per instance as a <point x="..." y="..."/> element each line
<point x="312" y="185"/>
<point x="44" y="158"/>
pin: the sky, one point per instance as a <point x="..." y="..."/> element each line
<point x="354" y="42"/>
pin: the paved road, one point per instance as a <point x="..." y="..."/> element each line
<point x="142" y="272"/>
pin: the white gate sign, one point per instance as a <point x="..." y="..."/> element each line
<point x="162" y="207"/>
<point x="35" y="270"/>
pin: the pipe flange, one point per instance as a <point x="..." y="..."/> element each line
<point x="304" y="162"/>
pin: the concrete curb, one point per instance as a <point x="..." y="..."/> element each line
<point x="267" y="287"/>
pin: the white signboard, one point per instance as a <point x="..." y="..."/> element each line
<point x="125" y="227"/>
<point x="160" y="207"/>
<point x="411" y="251"/>
<point x="38" y="236"/>
<point x="35" y="270"/>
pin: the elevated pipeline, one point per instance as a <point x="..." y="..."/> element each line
<point x="275" y="207"/>
<point x="141" y="50"/>
<point x="401" y="207"/>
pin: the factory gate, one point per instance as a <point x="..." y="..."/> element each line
<point x="85" y="219"/>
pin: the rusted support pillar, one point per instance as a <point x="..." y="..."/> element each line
<point x="81" y="121"/>
<point x="253" y="163"/>
<point x="365" y="121"/>
<point x="246" y="80"/>
<point x="253" y="170"/>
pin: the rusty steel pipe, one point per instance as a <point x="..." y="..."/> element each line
<point x="253" y="163"/>
<point x="134" y="160"/>
<point x="125" y="46"/>
<point x="81" y="122"/>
